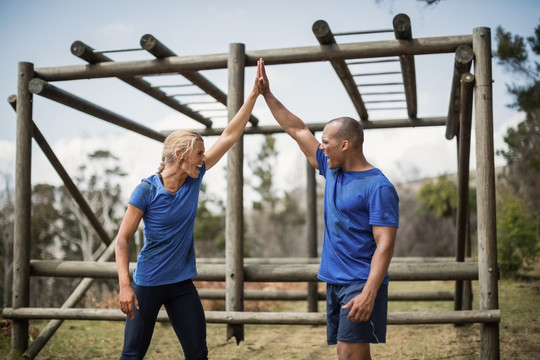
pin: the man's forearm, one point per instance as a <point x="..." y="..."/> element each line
<point x="291" y="123"/>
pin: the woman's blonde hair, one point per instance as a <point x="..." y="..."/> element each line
<point x="182" y="140"/>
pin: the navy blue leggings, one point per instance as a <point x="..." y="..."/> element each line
<point x="186" y="314"/>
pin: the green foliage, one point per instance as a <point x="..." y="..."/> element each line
<point x="262" y="170"/>
<point x="277" y="216"/>
<point x="438" y="197"/>
<point x="44" y="220"/>
<point x="210" y="224"/>
<point x="518" y="243"/>
<point x="514" y="54"/>
<point x="523" y="141"/>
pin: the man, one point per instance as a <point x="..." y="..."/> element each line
<point x="361" y="221"/>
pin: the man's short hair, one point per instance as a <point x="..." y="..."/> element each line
<point x="351" y="130"/>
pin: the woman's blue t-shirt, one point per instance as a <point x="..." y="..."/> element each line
<point x="168" y="254"/>
<point x="354" y="201"/>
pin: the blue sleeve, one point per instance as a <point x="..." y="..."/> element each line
<point x="321" y="161"/>
<point x="384" y="207"/>
<point x="141" y="196"/>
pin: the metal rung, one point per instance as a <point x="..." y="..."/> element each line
<point x="189" y="94"/>
<point x="361" y="62"/>
<point x="383" y="101"/>
<point x="381" y="84"/>
<point x="393" y="108"/>
<point x="364" y="32"/>
<point x="385" y="93"/>
<point x="116" y="50"/>
<point x="172" y="86"/>
<point x="379" y="73"/>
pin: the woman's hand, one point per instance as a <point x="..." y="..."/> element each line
<point x="127" y="299"/>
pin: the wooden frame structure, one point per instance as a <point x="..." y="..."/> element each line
<point x="466" y="88"/>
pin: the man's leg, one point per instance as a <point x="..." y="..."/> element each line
<point x="353" y="351"/>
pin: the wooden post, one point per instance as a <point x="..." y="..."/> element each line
<point x="311" y="209"/>
<point x="464" y="151"/>
<point x="23" y="206"/>
<point x="485" y="177"/>
<point x="403" y="32"/>
<point x="234" y="228"/>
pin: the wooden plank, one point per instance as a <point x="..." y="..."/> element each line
<point x="264" y="273"/>
<point x="485" y="190"/>
<point x="23" y="206"/>
<point x="282" y="318"/>
<point x="175" y="64"/>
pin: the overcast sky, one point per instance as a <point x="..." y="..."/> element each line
<point x="42" y="32"/>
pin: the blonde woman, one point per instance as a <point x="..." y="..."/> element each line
<point x="167" y="201"/>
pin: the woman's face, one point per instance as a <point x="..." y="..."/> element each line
<point x="194" y="159"/>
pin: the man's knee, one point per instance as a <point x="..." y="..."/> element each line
<point x="353" y="351"/>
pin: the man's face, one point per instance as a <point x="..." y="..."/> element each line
<point x="332" y="146"/>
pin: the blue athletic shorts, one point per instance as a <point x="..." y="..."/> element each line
<point x="340" y="328"/>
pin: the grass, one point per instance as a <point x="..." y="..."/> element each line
<point x="519" y="333"/>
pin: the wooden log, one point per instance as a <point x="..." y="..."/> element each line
<point x="403" y="32"/>
<point x="41" y="87"/>
<point x="311" y="232"/>
<point x="159" y="50"/>
<point x="464" y="152"/>
<point x="462" y="64"/>
<point x="234" y="216"/>
<point x="317" y="260"/>
<point x="263" y="273"/>
<point x="70" y="185"/>
<point x="281" y="318"/>
<point x="85" y="52"/>
<point x="53" y="325"/>
<point x="485" y="190"/>
<point x="23" y="206"/>
<point x="315" y="127"/>
<point x="324" y="35"/>
<point x="300" y="295"/>
<point x="432" y="45"/>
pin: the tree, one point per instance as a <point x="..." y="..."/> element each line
<point x="518" y="209"/>
<point x="98" y="182"/>
<point x="275" y="222"/>
<point x="438" y="197"/>
<point x="209" y="225"/>
<point x="7" y="208"/>
<point x="523" y="162"/>
<point x="517" y="237"/>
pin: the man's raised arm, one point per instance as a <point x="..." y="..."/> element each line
<point x="291" y="123"/>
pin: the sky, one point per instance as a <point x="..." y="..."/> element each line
<point x="41" y="32"/>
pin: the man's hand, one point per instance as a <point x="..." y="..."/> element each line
<point x="361" y="307"/>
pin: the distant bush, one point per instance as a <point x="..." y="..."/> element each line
<point x="518" y="242"/>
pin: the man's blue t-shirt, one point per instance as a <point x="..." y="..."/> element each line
<point x="354" y="201"/>
<point x="168" y="254"/>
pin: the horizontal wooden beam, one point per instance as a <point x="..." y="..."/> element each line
<point x="300" y="295"/>
<point x="263" y="273"/>
<point x="175" y="64"/>
<point x="282" y="318"/>
<point x="315" y="127"/>
<point x="51" y="92"/>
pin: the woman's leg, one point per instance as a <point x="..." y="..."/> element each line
<point x="138" y="331"/>
<point x="187" y="318"/>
